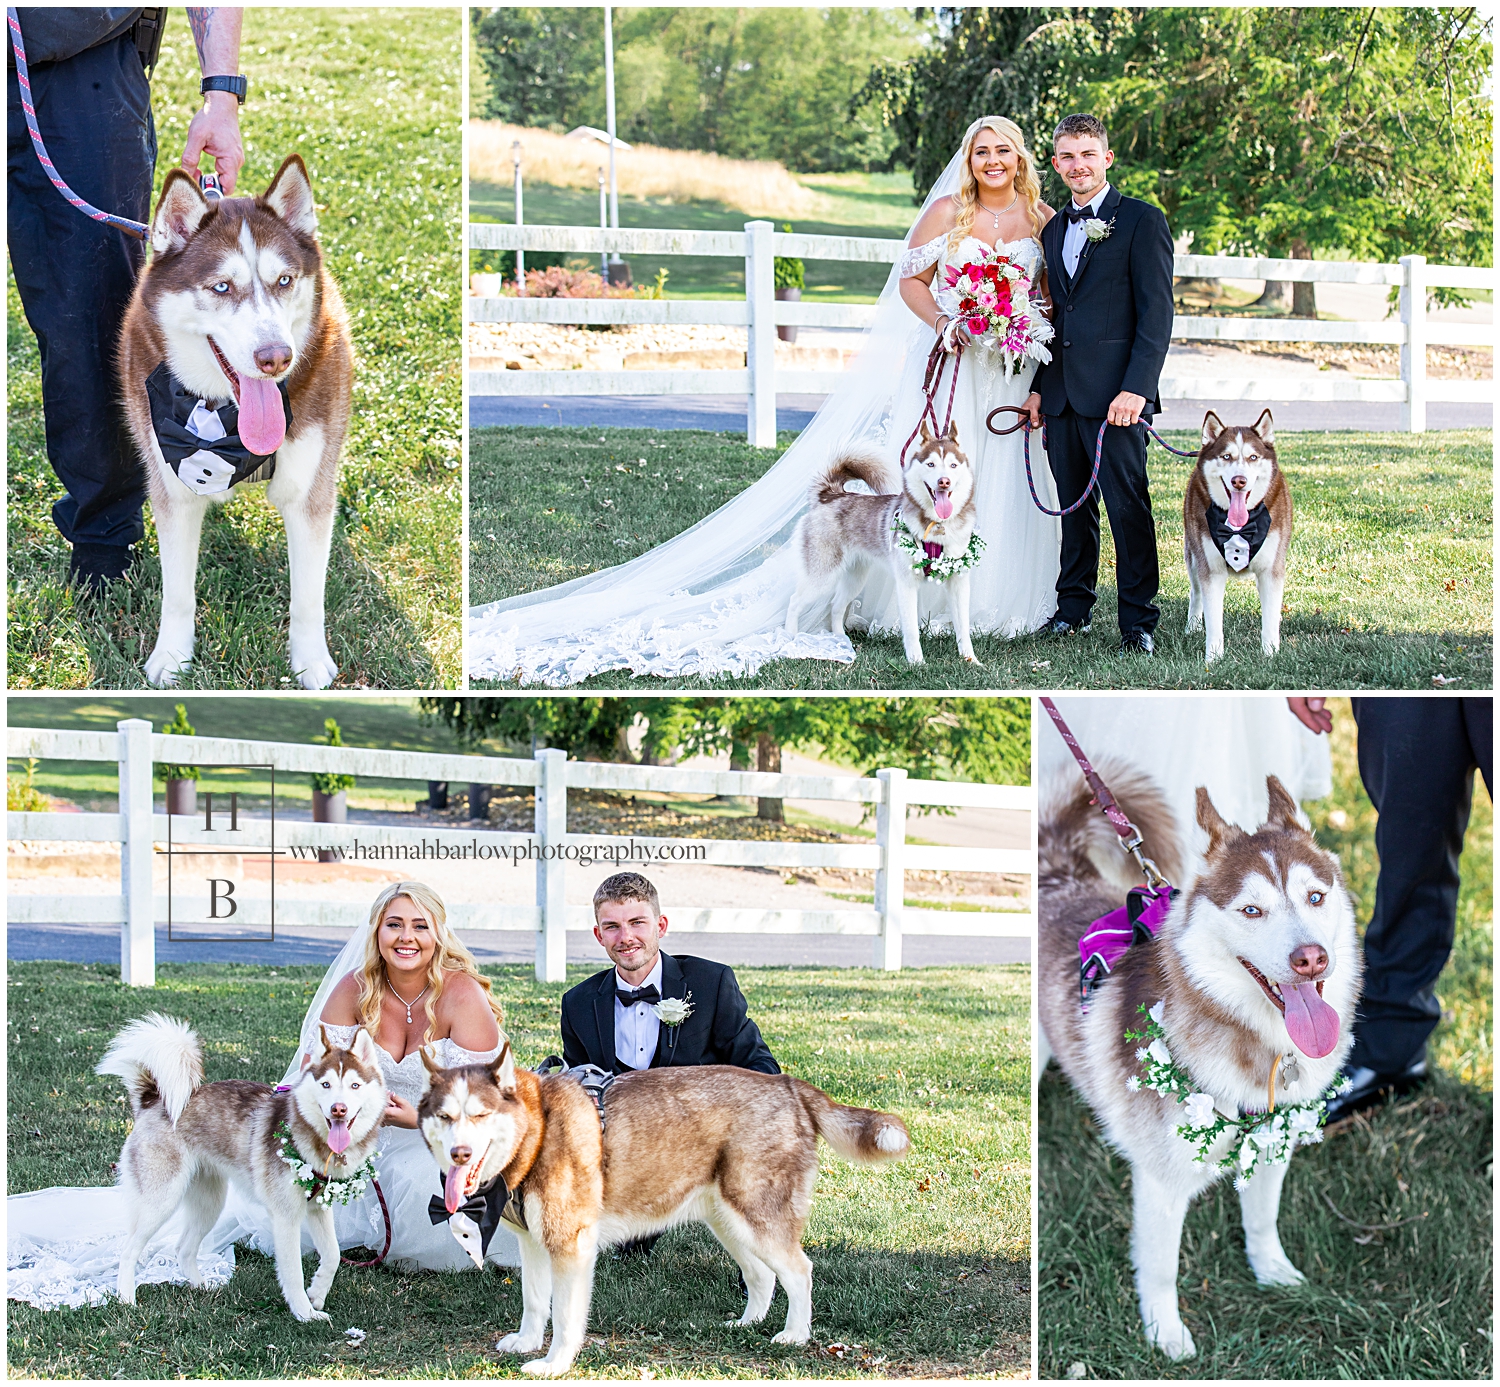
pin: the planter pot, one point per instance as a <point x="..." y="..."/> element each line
<point x="330" y="809"/>
<point x="479" y="801"/>
<point x="437" y="794"/>
<point x="486" y="285"/>
<point x="619" y="273"/>
<point x="791" y="294"/>
<point x="182" y="796"/>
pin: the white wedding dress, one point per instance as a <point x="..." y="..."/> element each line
<point x="713" y="600"/>
<point x="63" y="1244"/>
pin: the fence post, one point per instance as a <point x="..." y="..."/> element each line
<point x="1414" y="348"/>
<point x="760" y="353"/>
<point x="551" y="831"/>
<point x="890" y="877"/>
<point x="138" y="933"/>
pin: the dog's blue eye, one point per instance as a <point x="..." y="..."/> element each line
<point x="1252" y="911"/>
<point x="326" y="1084"/>
<point x="222" y="287"/>
<point x="284" y="281"/>
<point x="1315" y="898"/>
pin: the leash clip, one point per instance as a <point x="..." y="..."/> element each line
<point x="1154" y="879"/>
<point x="209" y="183"/>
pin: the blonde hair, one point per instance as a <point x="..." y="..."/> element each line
<point x="1028" y="186"/>
<point x="448" y="957"/>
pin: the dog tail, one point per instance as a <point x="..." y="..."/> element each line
<point x="159" y="1059"/>
<point x="854" y="467"/>
<point x="857" y="1134"/>
<point x="1076" y="842"/>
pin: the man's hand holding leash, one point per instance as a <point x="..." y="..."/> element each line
<point x="1125" y="409"/>
<point x="215" y="129"/>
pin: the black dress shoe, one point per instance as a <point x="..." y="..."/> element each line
<point x="1367" y="1088"/>
<point x="93" y="567"/>
<point x="1061" y="626"/>
<point x="1137" y="643"/>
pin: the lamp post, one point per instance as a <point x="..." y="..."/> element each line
<point x="515" y="158"/>
<point x="603" y="226"/>
<point x="609" y="122"/>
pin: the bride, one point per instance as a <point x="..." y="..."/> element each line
<point x="713" y="600"/>
<point x="410" y="982"/>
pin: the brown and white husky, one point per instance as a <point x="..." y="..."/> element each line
<point x="731" y="1148"/>
<point x="190" y="1139"/>
<point x="240" y="310"/>
<point x="1236" y="519"/>
<point x="1253" y="975"/>
<point x="845" y="533"/>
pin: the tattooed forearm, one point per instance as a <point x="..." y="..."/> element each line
<point x="201" y="23"/>
<point x="216" y="33"/>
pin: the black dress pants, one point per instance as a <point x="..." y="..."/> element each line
<point x="75" y="275"/>
<point x="1417" y="758"/>
<point x="1071" y="441"/>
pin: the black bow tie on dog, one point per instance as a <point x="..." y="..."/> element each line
<point x="486" y="1206"/>
<point x="1238" y="546"/>
<point x="640" y="994"/>
<point x="172" y="406"/>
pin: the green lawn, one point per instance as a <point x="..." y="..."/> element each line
<point x="1381" y="1301"/>
<point x="1389" y="584"/>
<point x="876" y="205"/>
<point x="922" y="1268"/>
<point x="374" y="109"/>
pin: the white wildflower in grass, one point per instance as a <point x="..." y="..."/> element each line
<point x="673" y="1011"/>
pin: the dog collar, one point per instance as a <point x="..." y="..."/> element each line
<point x="1238" y="546"/>
<point x="200" y="444"/>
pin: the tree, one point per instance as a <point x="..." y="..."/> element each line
<point x="1275" y="131"/>
<point x="583" y="727"/>
<point x="538" y="62"/>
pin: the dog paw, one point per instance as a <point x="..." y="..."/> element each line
<point x="309" y="1314"/>
<point x="973" y="660"/>
<point x="544" y="1367"/>
<point x="166" y="667"/>
<point x="314" y="666"/>
<point x="789" y="1336"/>
<point x="1277" y="1271"/>
<point x="517" y="1343"/>
<point x="1173" y="1340"/>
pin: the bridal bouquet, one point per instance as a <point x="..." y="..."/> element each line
<point x="991" y="296"/>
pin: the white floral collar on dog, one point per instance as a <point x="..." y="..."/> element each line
<point x="1258" y="1136"/>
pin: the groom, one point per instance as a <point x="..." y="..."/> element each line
<point x="1109" y="267"/>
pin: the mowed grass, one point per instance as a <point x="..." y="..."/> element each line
<point x="374" y="109"/>
<point x="1389" y="584"/>
<point x="854" y="204"/>
<point x="1398" y="1278"/>
<point x="921" y="1268"/>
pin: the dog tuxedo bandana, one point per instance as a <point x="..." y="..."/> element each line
<point x="474" y="1222"/>
<point x="1239" y="546"/>
<point x="200" y="444"/>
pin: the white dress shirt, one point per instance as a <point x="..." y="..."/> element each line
<point x="637" y="1028"/>
<point x="1073" y="238"/>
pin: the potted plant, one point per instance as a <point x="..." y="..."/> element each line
<point x="330" y="791"/>
<point x="485" y="279"/>
<point x="182" y="781"/>
<point x="790" y="277"/>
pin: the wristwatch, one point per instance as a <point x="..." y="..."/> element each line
<point x="238" y="85"/>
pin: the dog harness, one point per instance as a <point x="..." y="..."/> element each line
<point x="1238" y="546"/>
<point x="202" y="445"/>
<point x="1110" y="937"/>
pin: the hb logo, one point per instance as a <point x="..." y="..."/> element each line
<point x="216" y="898"/>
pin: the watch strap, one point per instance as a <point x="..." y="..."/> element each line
<point x="240" y="86"/>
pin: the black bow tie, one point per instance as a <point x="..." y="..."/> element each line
<point x="172" y="405"/>
<point x="1076" y="214"/>
<point x="486" y="1206"/>
<point x="640" y="994"/>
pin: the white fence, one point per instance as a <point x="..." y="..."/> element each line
<point x="761" y="312"/>
<point x="139" y="831"/>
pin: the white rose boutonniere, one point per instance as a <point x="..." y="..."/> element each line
<point x="673" y="1011"/>
<point x="1097" y="229"/>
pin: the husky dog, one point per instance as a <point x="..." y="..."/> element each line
<point x="189" y="1138"/>
<point x="844" y="533"/>
<point x="731" y="1148"/>
<point x="236" y="365"/>
<point x="1257" y="969"/>
<point x="1236" y="518"/>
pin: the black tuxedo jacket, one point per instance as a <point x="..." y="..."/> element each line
<point x="1114" y="317"/>
<point x="719" y="1031"/>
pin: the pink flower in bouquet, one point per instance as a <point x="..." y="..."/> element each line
<point x="979" y="326"/>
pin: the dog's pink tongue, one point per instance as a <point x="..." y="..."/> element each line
<point x="942" y="503"/>
<point x="338" y="1137"/>
<point x="453" y="1187"/>
<point x="262" y="419"/>
<point x="1312" y="1024"/>
<point x="1239" y="512"/>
